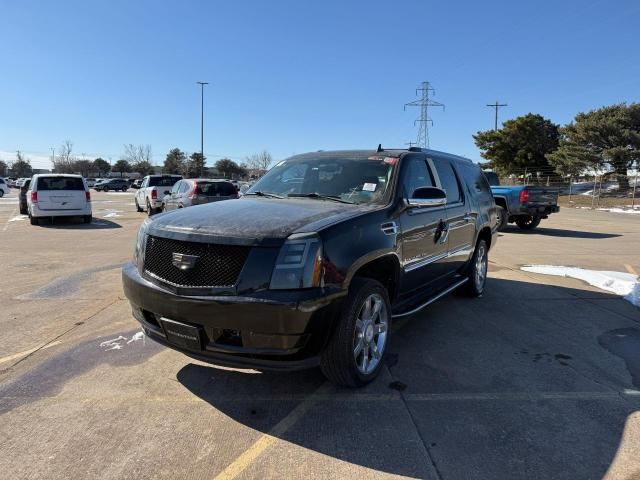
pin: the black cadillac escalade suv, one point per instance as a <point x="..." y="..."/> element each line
<point x="314" y="262"/>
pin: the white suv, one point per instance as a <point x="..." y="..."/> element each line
<point x="52" y="195"/>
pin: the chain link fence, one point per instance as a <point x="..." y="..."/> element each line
<point x="590" y="190"/>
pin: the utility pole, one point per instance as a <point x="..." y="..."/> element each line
<point x="496" y="106"/>
<point x="424" y="102"/>
<point x="53" y="158"/>
<point x="202" y="84"/>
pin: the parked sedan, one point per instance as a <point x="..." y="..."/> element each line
<point x="112" y="184"/>
<point x="197" y="191"/>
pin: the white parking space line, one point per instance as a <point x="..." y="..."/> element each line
<point x="13" y="214"/>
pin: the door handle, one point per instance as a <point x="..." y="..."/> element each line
<point x="444" y="233"/>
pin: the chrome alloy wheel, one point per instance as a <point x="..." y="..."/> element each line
<point x="370" y="336"/>
<point x="481" y="267"/>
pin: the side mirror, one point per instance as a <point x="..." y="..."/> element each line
<point x="167" y="192"/>
<point x="427" y="197"/>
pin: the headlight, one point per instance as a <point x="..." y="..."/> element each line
<point x="299" y="263"/>
<point x="138" y="251"/>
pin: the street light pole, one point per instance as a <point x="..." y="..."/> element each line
<point x="53" y="158"/>
<point x="202" y="84"/>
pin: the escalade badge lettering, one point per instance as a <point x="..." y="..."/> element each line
<point x="184" y="262"/>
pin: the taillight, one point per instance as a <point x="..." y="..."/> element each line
<point x="192" y="194"/>
<point x="34" y="197"/>
<point x="88" y="196"/>
<point x="524" y="196"/>
<point x="154" y="194"/>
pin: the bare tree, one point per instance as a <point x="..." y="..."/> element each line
<point x="137" y="153"/>
<point x="139" y="157"/>
<point x="65" y="161"/>
<point x="260" y="161"/>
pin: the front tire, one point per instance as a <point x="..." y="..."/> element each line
<point x="1" y="193"/>
<point x="355" y="353"/>
<point x="477" y="271"/>
<point x="528" y="222"/>
<point x="87" y="218"/>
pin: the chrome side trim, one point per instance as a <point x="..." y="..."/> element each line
<point x="425" y="261"/>
<point x="435" y="258"/>
<point x="431" y="300"/>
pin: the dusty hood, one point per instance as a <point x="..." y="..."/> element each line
<point x="251" y="220"/>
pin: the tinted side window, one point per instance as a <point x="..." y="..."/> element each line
<point x="416" y="175"/>
<point x="448" y="179"/>
<point x="176" y="187"/>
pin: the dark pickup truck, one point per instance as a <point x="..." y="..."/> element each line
<point x="311" y="266"/>
<point x="524" y="205"/>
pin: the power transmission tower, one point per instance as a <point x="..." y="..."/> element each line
<point x="424" y="102"/>
<point x="496" y="106"/>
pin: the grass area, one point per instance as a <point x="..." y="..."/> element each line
<point x="602" y="202"/>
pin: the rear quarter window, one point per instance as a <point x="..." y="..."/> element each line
<point x="162" y="181"/>
<point x="60" y="183"/>
<point x="223" y="189"/>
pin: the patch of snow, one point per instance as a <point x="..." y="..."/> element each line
<point x="136" y="337"/>
<point x="110" y="213"/>
<point x="619" y="210"/>
<point x="620" y="283"/>
<point x="121" y="341"/>
<point x="114" y="343"/>
<point x="18" y="218"/>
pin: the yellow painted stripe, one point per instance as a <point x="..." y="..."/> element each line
<point x="265" y="441"/>
<point x="630" y="269"/>
<point x="27" y="352"/>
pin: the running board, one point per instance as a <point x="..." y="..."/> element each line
<point x="432" y="299"/>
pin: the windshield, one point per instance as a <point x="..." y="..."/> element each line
<point x="362" y="180"/>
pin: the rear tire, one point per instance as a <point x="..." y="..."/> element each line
<point x="528" y="222"/>
<point x="124" y="189"/>
<point x="150" y="211"/>
<point x="34" y="221"/>
<point x="1" y="193"/>
<point x="87" y="218"/>
<point x="362" y="332"/>
<point x="138" y="208"/>
<point x="477" y="271"/>
<point x="502" y="218"/>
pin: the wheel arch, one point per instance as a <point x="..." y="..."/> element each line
<point x="385" y="268"/>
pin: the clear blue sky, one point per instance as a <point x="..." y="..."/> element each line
<point x="295" y="76"/>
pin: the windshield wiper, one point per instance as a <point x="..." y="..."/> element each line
<point x="335" y="198"/>
<point x="264" y="194"/>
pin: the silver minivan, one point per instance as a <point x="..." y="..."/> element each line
<point x="198" y="191"/>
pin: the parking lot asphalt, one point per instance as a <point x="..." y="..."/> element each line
<point x="539" y="378"/>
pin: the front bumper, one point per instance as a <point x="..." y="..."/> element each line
<point x="278" y="330"/>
